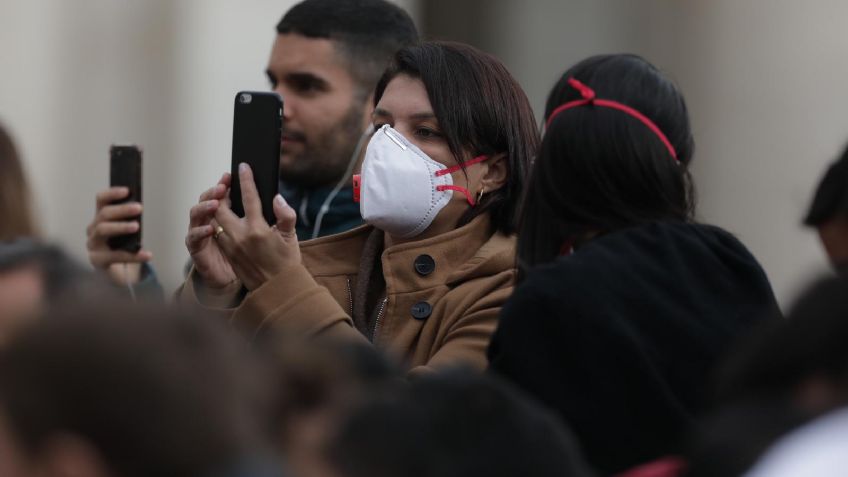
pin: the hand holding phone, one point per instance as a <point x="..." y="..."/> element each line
<point x="115" y="232"/>
<point x="257" y="130"/>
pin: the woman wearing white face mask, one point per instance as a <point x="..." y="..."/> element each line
<point x="441" y="178"/>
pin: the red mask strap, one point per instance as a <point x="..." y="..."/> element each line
<point x="450" y="170"/>
<point x="357" y="186"/>
<point x="590" y="99"/>
<point x="468" y="197"/>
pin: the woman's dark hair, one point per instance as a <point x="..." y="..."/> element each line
<point x="15" y="200"/>
<point x="600" y="169"/>
<point x="480" y="108"/>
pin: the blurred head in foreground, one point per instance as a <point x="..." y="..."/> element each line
<point x="127" y="391"/>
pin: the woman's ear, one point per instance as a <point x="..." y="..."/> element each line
<point x="496" y="174"/>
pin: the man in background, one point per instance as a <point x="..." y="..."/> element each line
<point x="829" y="213"/>
<point x="325" y="63"/>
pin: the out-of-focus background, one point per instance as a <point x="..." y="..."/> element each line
<point x="766" y="82"/>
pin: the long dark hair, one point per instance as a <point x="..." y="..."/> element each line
<point x="480" y="108"/>
<point x="600" y="169"/>
<point x="16" y="207"/>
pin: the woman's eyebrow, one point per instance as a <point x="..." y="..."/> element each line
<point x="416" y="116"/>
<point x="423" y="115"/>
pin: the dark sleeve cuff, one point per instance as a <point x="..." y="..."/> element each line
<point x="148" y="287"/>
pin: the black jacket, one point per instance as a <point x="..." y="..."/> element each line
<point x="621" y="337"/>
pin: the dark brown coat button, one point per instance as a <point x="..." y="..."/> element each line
<point x="424" y="265"/>
<point x="421" y="310"/>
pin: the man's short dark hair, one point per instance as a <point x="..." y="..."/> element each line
<point x="454" y="424"/>
<point x="155" y="391"/>
<point x="831" y="198"/>
<point x="369" y="31"/>
<point x="63" y="277"/>
<point x="759" y="388"/>
<point x="778" y="359"/>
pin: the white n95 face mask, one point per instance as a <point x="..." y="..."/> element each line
<point x="401" y="189"/>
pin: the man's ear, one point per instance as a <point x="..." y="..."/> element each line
<point x="368" y="111"/>
<point x="367" y="120"/>
<point x="497" y="173"/>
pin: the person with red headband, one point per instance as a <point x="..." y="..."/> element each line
<point x="439" y="187"/>
<point x="625" y="303"/>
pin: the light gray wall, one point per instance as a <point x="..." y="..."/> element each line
<point x="77" y="77"/>
<point x="766" y="83"/>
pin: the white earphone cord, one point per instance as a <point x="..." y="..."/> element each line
<point x="127" y="281"/>
<point x="340" y="185"/>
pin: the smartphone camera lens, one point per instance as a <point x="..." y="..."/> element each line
<point x="245" y="98"/>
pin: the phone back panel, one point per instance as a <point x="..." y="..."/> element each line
<point x="125" y="170"/>
<point x="257" y="130"/>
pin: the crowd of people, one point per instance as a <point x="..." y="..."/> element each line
<point x="483" y="297"/>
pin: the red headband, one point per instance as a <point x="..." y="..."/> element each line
<point x="589" y="98"/>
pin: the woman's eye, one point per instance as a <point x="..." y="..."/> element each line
<point x="426" y="133"/>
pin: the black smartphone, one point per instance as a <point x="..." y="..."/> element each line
<point x="257" y="131"/>
<point x="125" y="170"/>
